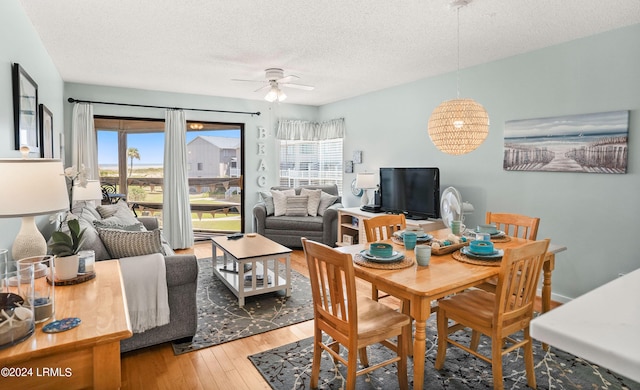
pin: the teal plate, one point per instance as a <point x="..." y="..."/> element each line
<point x="496" y="255"/>
<point x="396" y="256"/>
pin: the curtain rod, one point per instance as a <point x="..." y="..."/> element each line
<point x="72" y="100"/>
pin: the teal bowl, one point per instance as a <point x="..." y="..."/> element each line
<point x="380" y="249"/>
<point x="481" y="247"/>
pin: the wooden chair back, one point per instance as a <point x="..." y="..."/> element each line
<point x="382" y="227"/>
<point x="515" y="225"/>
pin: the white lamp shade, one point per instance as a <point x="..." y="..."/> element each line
<point x="91" y="192"/>
<point x="32" y="187"/>
<point x="366" y="180"/>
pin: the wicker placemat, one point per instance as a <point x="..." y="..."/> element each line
<point x="78" y="279"/>
<point x="404" y="263"/>
<point x="465" y="259"/>
<point x="501" y="239"/>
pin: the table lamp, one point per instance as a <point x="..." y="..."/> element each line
<point x="31" y="187"/>
<point x="366" y="181"/>
<point x="91" y="192"/>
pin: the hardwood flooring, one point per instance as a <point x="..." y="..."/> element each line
<point x="221" y="367"/>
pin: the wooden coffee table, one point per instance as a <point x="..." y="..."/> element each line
<point x="251" y="265"/>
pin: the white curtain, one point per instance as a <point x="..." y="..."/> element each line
<point x="176" y="211"/>
<point x="289" y="129"/>
<point x="84" y="144"/>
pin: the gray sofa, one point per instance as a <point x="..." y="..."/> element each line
<point x="288" y="230"/>
<point x="181" y="273"/>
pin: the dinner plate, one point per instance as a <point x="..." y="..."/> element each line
<point x="496" y="255"/>
<point x="419" y="237"/>
<point x="500" y="233"/>
<point x="396" y="256"/>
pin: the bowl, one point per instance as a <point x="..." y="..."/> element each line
<point x="381" y="249"/>
<point x="481" y="247"/>
<point x="488" y="228"/>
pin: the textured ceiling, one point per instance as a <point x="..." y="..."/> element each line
<point x="343" y="48"/>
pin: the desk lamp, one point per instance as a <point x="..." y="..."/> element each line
<point x="31" y="187"/>
<point x="366" y="181"/>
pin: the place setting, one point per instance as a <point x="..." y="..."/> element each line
<point x="480" y="252"/>
<point x="487" y="232"/>
<point x="382" y="256"/>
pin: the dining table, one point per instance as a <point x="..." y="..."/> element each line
<point x="419" y="286"/>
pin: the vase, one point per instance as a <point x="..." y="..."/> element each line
<point x="66" y="267"/>
<point x="43" y="292"/>
<point x="16" y="306"/>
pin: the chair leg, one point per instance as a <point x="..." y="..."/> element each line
<point x="364" y="359"/>
<point x="496" y="363"/>
<point x="317" y="355"/>
<point x="442" y="338"/>
<point x="352" y="368"/>
<point x="405" y="308"/>
<point x="475" y="340"/>
<point x="374" y="292"/>
<point x="528" y="360"/>
<point x="404" y="340"/>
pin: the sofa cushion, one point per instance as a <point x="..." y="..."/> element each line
<point x="267" y="198"/>
<point x="118" y="213"/>
<point x="297" y="206"/>
<point x="121" y="243"/>
<point x="113" y="224"/>
<point x="326" y="201"/>
<point x="298" y="224"/>
<point x="280" y="201"/>
<point x="314" y="200"/>
<point x="90" y="238"/>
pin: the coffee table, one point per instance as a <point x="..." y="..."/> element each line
<point x="251" y="265"/>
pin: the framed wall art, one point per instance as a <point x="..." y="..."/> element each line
<point x="592" y="143"/>
<point x="46" y="132"/>
<point x="25" y="110"/>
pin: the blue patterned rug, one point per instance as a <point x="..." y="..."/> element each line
<point x="220" y="320"/>
<point x="289" y="367"/>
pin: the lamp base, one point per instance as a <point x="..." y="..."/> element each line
<point x="29" y="241"/>
<point x="365" y="198"/>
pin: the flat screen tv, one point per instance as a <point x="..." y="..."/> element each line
<point x="414" y="192"/>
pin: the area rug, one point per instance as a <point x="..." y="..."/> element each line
<point x="289" y="367"/>
<point x="220" y="320"/>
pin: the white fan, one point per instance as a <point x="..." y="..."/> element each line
<point x="275" y="78"/>
<point x="451" y="206"/>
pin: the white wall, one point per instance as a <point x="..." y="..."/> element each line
<point x="20" y="44"/>
<point x="594" y="215"/>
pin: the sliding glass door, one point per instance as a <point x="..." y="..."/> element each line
<point x="130" y="159"/>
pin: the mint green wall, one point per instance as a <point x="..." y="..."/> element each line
<point x="267" y="119"/>
<point x="594" y="215"/>
<point x="20" y="44"/>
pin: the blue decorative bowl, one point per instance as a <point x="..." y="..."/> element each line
<point x="381" y="249"/>
<point x="481" y="247"/>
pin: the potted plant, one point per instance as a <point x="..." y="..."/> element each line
<point x="65" y="248"/>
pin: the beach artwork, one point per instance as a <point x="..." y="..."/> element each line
<point x="594" y="143"/>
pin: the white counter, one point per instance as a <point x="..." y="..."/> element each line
<point x="601" y="326"/>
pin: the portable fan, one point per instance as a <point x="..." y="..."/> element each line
<point x="451" y="206"/>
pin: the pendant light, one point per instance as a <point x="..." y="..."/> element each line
<point x="458" y="126"/>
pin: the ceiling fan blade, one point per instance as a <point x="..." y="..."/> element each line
<point x="298" y="86"/>
<point x="286" y="79"/>
<point x="262" y="88"/>
<point x="250" y="81"/>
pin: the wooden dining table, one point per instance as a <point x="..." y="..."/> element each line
<point x="444" y="275"/>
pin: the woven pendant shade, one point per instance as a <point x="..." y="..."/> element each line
<point x="458" y="126"/>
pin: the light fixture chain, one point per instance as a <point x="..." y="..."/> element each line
<point x="458" y="71"/>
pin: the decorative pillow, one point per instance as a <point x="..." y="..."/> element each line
<point x="267" y="198"/>
<point x="90" y="238"/>
<point x="280" y="201"/>
<point x="118" y="212"/>
<point x="297" y="206"/>
<point x="314" y="200"/>
<point x="326" y="201"/>
<point x="121" y="243"/>
<point x="113" y="224"/>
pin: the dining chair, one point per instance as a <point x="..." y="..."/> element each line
<point x="348" y="319"/>
<point x="497" y="315"/>
<point x="382" y="228"/>
<point x="514" y="225"/>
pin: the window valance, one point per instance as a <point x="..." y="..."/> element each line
<point x="289" y="129"/>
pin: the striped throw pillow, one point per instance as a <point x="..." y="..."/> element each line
<point x="120" y="243"/>
<point x="297" y="206"/>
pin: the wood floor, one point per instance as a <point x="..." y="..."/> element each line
<point x="221" y="367"/>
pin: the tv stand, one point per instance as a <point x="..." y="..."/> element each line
<point x="351" y="229"/>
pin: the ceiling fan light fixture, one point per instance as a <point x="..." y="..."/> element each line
<point x="274" y="94"/>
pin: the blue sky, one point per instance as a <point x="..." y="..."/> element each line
<point x="149" y="145"/>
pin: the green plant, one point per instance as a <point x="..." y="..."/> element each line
<point x="64" y="244"/>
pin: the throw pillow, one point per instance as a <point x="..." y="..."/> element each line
<point x="314" y="200"/>
<point x="90" y="238"/>
<point x="297" y="206"/>
<point x="280" y="201"/>
<point x="267" y="198"/>
<point x="326" y="201"/>
<point x="113" y="224"/>
<point x="121" y="243"/>
<point x="119" y="212"/>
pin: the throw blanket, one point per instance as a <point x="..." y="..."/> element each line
<point x="145" y="285"/>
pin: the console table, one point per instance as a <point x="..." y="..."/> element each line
<point x="350" y="225"/>
<point x="87" y="356"/>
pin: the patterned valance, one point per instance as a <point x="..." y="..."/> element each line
<point x="289" y="129"/>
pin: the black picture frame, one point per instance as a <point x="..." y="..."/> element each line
<point x="46" y="132"/>
<point x="25" y="110"/>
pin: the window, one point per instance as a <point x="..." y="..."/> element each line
<point x="131" y="154"/>
<point x="311" y="163"/>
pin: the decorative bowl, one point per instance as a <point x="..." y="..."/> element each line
<point x="381" y="249"/>
<point x="481" y="247"/>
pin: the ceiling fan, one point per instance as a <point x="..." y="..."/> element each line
<point x="274" y="80"/>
